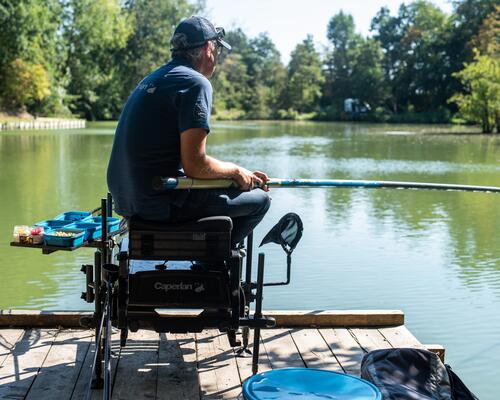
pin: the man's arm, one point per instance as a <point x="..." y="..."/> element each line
<point x="197" y="164"/>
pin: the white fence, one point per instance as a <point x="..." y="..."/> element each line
<point x="44" y="124"/>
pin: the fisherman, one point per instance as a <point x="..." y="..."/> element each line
<point x="163" y="130"/>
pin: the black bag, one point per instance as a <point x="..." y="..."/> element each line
<point x="458" y="388"/>
<point x="412" y="374"/>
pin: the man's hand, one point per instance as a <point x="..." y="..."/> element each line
<point x="247" y="180"/>
<point x="263" y="178"/>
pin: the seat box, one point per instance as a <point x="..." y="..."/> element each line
<point x="179" y="289"/>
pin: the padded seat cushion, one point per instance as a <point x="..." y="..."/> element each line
<point x="208" y="224"/>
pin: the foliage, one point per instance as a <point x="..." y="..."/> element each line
<point x="412" y="56"/>
<point x="152" y="24"/>
<point x="86" y="56"/>
<point x="251" y="78"/>
<point x="31" y="48"/>
<point x="27" y="83"/>
<point x="305" y="78"/>
<point x="487" y="40"/>
<point x="97" y="30"/>
<point x="354" y="68"/>
<point x="481" y="102"/>
<point x="341" y="59"/>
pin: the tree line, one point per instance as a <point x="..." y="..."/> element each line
<point x="84" y="57"/>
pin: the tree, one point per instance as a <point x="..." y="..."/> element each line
<point x="31" y="49"/>
<point x="354" y="67"/>
<point x="231" y="81"/>
<point x="249" y="80"/>
<point x="230" y="84"/>
<point x="96" y="30"/>
<point x="341" y="58"/>
<point x="458" y="36"/>
<point x="148" y="46"/>
<point x="487" y="40"/>
<point x="305" y="78"/>
<point x="267" y="77"/>
<point x="413" y="55"/>
<point x="481" y="102"/>
<point x="27" y="84"/>
<point x="368" y="80"/>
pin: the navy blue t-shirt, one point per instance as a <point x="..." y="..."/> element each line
<point x="167" y="102"/>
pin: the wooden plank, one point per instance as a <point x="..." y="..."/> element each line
<point x="177" y="373"/>
<point x="136" y="373"/>
<point x="400" y="336"/>
<point x="61" y="367"/>
<point x="370" y="339"/>
<point x="83" y="379"/>
<point x="8" y="339"/>
<point x="314" y="350"/>
<point x="23" y="363"/>
<point x="217" y="368"/>
<point x="436" y="348"/>
<point x="345" y="348"/>
<point x="336" y="318"/>
<point x="37" y="318"/>
<point x="82" y="384"/>
<point x="244" y="362"/>
<point x="281" y="349"/>
<point x="301" y="318"/>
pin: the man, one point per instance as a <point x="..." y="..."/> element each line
<point x="163" y="131"/>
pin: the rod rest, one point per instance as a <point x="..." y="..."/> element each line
<point x="208" y="239"/>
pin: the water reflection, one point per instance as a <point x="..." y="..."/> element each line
<point x="46" y="172"/>
<point x="436" y="255"/>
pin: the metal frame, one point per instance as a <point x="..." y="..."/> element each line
<point x="100" y="290"/>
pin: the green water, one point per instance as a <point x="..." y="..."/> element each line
<point x="434" y="255"/>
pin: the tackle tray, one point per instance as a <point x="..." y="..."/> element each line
<point x="51" y="224"/>
<point x="113" y="223"/>
<point x="75" y="240"/>
<point x="93" y="230"/>
<point x="72" y="216"/>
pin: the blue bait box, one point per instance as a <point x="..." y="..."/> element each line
<point x="113" y="223"/>
<point x="93" y="230"/>
<point x="50" y="239"/>
<point x="71" y="216"/>
<point x="51" y="224"/>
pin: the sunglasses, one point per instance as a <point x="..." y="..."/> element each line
<point x="220" y="34"/>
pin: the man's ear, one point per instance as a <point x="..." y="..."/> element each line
<point x="206" y="49"/>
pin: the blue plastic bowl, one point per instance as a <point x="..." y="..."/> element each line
<point x="308" y="384"/>
<point x="73" y="215"/>
<point x="53" y="224"/>
<point x="92" y="229"/>
<point x="50" y="239"/>
<point x="113" y="223"/>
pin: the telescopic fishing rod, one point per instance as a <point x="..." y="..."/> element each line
<point x="165" y="183"/>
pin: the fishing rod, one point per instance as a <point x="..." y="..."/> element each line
<point x="165" y="183"/>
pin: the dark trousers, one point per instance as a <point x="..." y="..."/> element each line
<point x="246" y="209"/>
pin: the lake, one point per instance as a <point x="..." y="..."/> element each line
<point x="433" y="254"/>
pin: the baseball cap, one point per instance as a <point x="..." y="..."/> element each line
<point x="198" y="31"/>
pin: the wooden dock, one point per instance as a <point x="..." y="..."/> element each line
<point x="55" y="362"/>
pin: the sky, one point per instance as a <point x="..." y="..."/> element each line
<point x="289" y="21"/>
